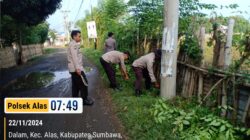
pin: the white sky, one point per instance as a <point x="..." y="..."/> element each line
<point x="56" y="20"/>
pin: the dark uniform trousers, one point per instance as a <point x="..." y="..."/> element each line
<point x="141" y="73"/>
<point x="110" y="72"/>
<point x="78" y="85"/>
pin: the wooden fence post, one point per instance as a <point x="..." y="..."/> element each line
<point x="227" y="54"/>
<point x="243" y="120"/>
<point x="202" y="46"/>
<point x="227" y="62"/>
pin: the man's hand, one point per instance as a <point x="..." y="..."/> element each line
<point x="78" y="71"/>
<point x="125" y="75"/>
<point x="157" y="85"/>
<point x="126" y="78"/>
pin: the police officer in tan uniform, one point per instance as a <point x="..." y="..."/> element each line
<point x="143" y="68"/>
<point x="110" y="43"/>
<point x="115" y="57"/>
<point x="75" y="65"/>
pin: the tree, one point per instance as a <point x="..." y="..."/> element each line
<point x="18" y="15"/>
<point x="30" y="12"/>
<point x="108" y="17"/>
<point x="52" y="34"/>
<point x="20" y="18"/>
<point x="35" y="34"/>
<point x="139" y="24"/>
<point x="9" y="30"/>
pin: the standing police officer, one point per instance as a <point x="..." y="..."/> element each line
<point x="110" y="43"/>
<point x="75" y="65"/>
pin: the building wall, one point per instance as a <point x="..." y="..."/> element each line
<point x="8" y="55"/>
<point x="30" y="51"/>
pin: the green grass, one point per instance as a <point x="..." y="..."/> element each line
<point x="49" y="50"/>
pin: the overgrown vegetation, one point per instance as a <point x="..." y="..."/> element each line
<point x="190" y="46"/>
<point x="138" y="28"/>
<point x="194" y="122"/>
<point x="149" y="117"/>
<point x="138" y="24"/>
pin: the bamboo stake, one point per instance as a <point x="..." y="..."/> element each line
<point x="234" y="100"/>
<point x="224" y="98"/>
<point x="185" y="83"/>
<point x="200" y="87"/>
<point x="243" y="120"/>
<point x="190" y="84"/>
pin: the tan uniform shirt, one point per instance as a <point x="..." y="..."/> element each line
<point x="74" y="57"/>
<point x="110" y="45"/>
<point x="146" y="61"/>
<point x="115" y="57"/>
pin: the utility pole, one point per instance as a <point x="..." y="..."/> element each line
<point x="169" y="49"/>
<point x="66" y="24"/>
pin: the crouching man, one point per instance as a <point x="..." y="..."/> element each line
<point x="114" y="57"/>
<point x="143" y="68"/>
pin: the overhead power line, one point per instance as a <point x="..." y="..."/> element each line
<point x="78" y="11"/>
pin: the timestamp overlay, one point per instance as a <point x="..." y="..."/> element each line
<point x="43" y="105"/>
<point x="49" y="118"/>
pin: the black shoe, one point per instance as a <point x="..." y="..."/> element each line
<point x="138" y="93"/>
<point x="88" y="101"/>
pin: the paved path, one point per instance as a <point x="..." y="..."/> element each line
<point x="98" y="118"/>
